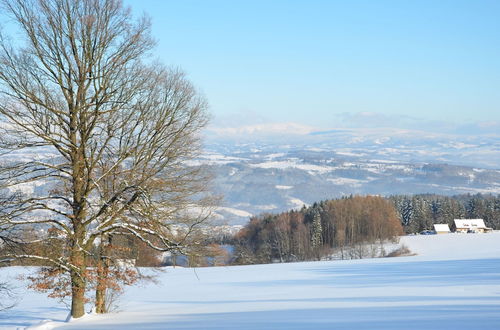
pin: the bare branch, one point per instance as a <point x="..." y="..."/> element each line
<point x="94" y="141"/>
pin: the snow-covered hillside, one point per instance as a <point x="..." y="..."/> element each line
<point x="453" y="283"/>
<point x="258" y="177"/>
<point x="287" y="170"/>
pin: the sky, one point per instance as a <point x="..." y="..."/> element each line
<point x="335" y="63"/>
<point x="326" y="64"/>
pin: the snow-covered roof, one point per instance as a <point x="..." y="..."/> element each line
<point x="469" y="223"/>
<point x="441" y="227"/>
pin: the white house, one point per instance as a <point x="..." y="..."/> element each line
<point x="441" y="228"/>
<point x="471" y="226"/>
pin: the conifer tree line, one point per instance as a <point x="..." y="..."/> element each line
<point x="421" y="212"/>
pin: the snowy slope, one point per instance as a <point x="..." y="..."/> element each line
<point x="453" y="283"/>
<point x="270" y="176"/>
<point x="454" y="246"/>
<point x="265" y="177"/>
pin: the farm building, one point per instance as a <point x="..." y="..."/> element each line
<point x="441" y="228"/>
<point x="471" y="226"/>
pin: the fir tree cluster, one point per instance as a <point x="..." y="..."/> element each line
<point x="421" y="212"/>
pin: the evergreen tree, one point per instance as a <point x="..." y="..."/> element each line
<point x="316" y="231"/>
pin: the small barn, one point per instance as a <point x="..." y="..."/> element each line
<point x="471" y="226"/>
<point x="441" y="228"/>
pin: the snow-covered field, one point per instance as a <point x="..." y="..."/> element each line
<point x="453" y="283"/>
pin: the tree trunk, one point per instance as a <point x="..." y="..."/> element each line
<point x="102" y="276"/>
<point x="79" y="266"/>
<point x="100" y="293"/>
<point x="77" y="296"/>
<point x="78" y="285"/>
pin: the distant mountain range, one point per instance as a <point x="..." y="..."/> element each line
<point x="286" y="167"/>
<point x="273" y="173"/>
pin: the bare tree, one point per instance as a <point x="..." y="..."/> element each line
<point x="7" y="294"/>
<point x="108" y="132"/>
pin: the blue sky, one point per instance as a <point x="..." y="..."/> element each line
<point x="351" y="63"/>
<point x="323" y="63"/>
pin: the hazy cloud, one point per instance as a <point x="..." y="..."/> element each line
<point x="379" y="120"/>
<point x="248" y="125"/>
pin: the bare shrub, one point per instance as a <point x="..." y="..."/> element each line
<point x="401" y="251"/>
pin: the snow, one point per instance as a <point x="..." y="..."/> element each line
<point x="292" y="163"/>
<point x="347" y="153"/>
<point x="275" y="155"/>
<point x="239" y="213"/>
<point x="315" y="149"/>
<point x="458" y="145"/>
<point x="469" y="223"/>
<point x="27" y="188"/>
<point x="453" y="283"/>
<point x="296" y="203"/>
<point x="266" y="207"/>
<point x="211" y="158"/>
<point x="346" y="181"/>
<point x="271" y="128"/>
<point x="442" y="227"/>
<point x="455" y="246"/>
<point x="283" y="187"/>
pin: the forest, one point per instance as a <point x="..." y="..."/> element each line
<point x="354" y="227"/>
<point x="344" y="225"/>
<point x="421" y="212"/>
